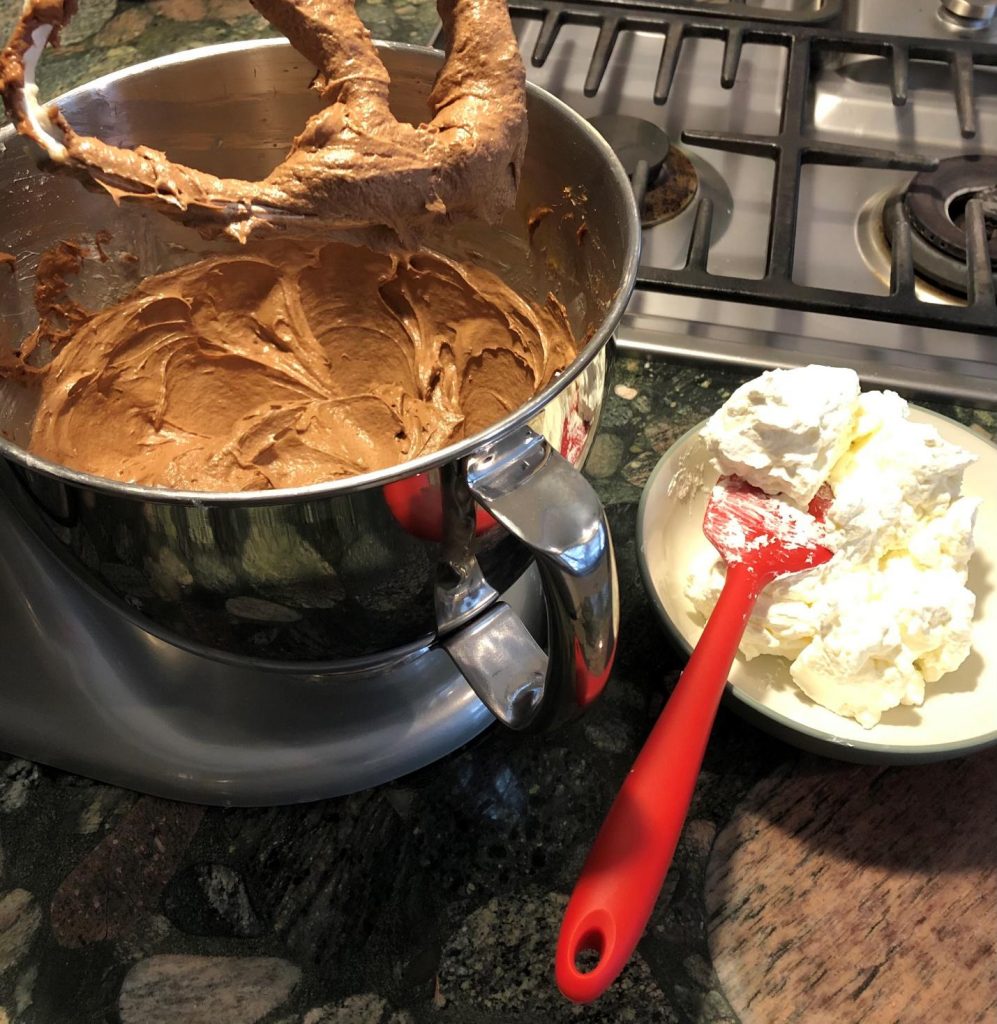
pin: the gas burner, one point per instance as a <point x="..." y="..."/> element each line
<point x="672" y="180"/>
<point x="935" y="202"/>
<point x="874" y="247"/>
<point x="671" y="190"/>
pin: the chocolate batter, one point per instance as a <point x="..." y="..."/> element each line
<point x="287" y="364"/>
<point x="8" y="260"/>
<point x="59" y="315"/>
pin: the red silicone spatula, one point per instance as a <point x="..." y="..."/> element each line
<point x="760" y="538"/>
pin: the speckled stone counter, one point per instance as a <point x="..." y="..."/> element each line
<point x="802" y="891"/>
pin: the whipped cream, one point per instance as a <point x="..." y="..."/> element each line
<point x="784" y="430"/>
<point x="890" y="611"/>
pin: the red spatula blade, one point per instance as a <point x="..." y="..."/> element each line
<point x="748" y="526"/>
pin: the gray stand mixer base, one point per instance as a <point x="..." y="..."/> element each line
<point x="85" y="690"/>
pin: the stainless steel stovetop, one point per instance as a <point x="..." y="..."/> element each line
<point x="884" y="99"/>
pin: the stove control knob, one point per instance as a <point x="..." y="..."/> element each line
<point x="967" y="14"/>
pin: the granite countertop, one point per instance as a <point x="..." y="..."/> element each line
<point x="803" y="890"/>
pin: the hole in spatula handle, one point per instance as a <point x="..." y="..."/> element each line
<point x="585" y="966"/>
<point x="589" y="953"/>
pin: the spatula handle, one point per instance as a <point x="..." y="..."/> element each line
<point x="624" y="872"/>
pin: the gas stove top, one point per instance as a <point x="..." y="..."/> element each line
<point x="822" y="187"/>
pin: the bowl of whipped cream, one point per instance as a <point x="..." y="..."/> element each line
<point x="887" y="653"/>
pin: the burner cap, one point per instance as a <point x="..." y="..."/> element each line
<point x="936" y="202"/>
<point x="672" y="181"/>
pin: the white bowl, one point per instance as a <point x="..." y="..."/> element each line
<point x="959" y="713"/>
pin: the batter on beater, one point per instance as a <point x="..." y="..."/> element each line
<point x="354" y="169"/>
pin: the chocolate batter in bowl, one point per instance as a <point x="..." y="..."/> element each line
<point x="290" y="364"/>
<point x="372" y="566"/>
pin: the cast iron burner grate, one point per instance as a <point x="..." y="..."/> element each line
<point x="791" y="148"/>
<point x="821" y="11"/>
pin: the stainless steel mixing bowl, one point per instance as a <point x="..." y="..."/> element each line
<point x="343" y="573"/>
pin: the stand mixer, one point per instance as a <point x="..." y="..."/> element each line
<point x="87" y="690"/>
<point x="283" y="646"/>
